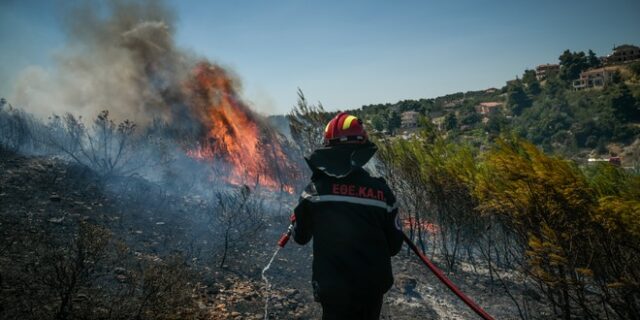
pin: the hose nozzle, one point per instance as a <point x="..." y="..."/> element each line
<point x="287" y="235"/>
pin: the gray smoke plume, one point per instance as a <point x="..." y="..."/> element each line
<point x="121" y="56"/>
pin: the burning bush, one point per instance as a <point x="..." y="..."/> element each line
<point x="233" y="136"/>
<point x="123" y="57"/>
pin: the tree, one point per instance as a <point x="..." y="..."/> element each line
<point x="517" y="100"/>
<point x="394" y="121"/>
<point x="450" y="121"/>
<point x="592" y="60"/>
<point x="408" y="105"/>
<point x="534" y="88"/>
<point x="546" y="117"/>
<point x="571" y="64"/>
<point x="470" y="118"/>
<point x="307" y="122"/>
<point x="624" y="104"/>
<point x="554" y="86"/>
<point x="496" y="124"/>
<point x="377" y="122"/>
<point x="529" y="77"/>
<point x="531" y="82"/>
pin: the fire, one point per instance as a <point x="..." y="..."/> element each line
<point x="234" y="136"/>
<point x="429" y="227"/>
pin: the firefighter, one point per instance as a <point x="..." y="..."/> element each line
<point x="353" y="220"/>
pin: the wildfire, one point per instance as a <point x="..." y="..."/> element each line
<point x="234" y="136"/>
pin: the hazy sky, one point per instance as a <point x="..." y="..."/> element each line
<point x="350" y="53"/>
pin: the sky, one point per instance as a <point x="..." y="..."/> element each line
<point x="352" y="53"/>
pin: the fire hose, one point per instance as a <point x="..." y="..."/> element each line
<point x="444" y="279"/>
<point x="432" y="267"/>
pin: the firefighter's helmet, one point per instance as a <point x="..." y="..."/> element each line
<point x="344" y="129"/>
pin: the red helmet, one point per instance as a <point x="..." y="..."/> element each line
<point x="344" y="128"/>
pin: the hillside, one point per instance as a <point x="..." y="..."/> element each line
<point x="594" y="122"/>
<point x="76" y="245"/>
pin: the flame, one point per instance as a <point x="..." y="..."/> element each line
<point x="424" y="225"/>
<point x="233" y="134"/>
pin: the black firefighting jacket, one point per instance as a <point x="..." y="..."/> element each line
<point x="355" y="231"/>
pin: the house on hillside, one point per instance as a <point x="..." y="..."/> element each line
<point x="488" y="108"/>
<point x="623" y="54"/>
<point x="409" y="119"/>
<point x="594" y="78"/>
<point x="543" y="70"/>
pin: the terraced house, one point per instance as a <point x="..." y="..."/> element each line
<point x="623" y="54"/>
<point x="595" y="78"/>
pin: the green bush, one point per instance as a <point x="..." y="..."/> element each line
<point x="575" y="231"/>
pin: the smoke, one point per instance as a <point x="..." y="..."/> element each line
<point x="120" y="56"/>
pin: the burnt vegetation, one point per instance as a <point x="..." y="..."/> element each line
<point x="109" y="220"/>
<point x="112" y="221"/>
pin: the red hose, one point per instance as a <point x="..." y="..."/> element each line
<point x="446" y="280"/>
